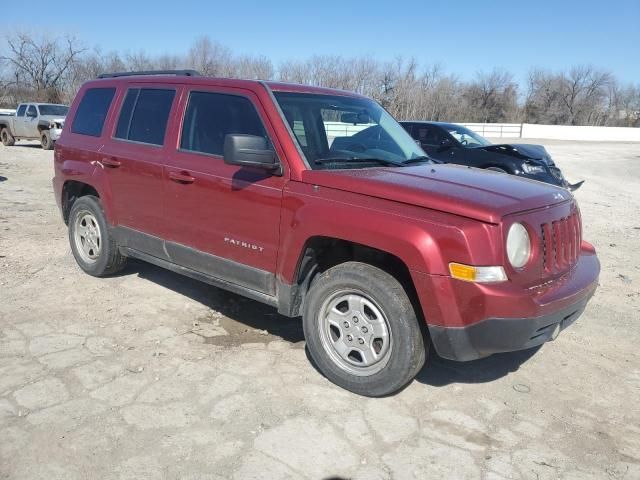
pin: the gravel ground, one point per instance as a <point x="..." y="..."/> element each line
<point x="152" y="375"/>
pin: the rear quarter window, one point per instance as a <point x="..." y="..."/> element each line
<point x="92" y="111"/>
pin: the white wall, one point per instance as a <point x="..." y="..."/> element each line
<point x="558" y="132"/>
<point x="593" y="134"/>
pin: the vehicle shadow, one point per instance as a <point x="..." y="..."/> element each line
<point x="439" y="372"/>
<point x="243" y="312"/>
<point x="240" y="310"/>
<point x="28" y="145"/>
<point x="3" y="179"/>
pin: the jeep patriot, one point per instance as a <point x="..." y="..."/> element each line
<point x="317" y="202"/>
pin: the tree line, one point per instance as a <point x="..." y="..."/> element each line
<point x="51" y="69"/>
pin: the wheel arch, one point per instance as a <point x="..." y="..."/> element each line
<point x="321" y="252"/>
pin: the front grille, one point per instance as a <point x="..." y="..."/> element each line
<point x="561" y="241"/>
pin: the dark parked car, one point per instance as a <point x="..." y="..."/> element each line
<point x="451" y="143"/>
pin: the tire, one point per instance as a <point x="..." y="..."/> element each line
<point x="92" y="244"/>
<point x="380" y="303"/>
<point x="45" y="140"/>
<point x="7" y="138"/>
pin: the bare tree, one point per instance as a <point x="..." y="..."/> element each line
<point x="41" y="63"/>
<point x="53" y="69"/>
<point x="210" y="58"/>
<point x="492" y="97"/>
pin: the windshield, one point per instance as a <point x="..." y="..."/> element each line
<point x="467" y="137"/>
<point x="57" y="110"/>
<point x="345" y="132"/>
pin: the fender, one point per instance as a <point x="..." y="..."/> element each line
<point x="6" y="124"/>
<point x="91" y="173"/>
<point x="425" y="245"/>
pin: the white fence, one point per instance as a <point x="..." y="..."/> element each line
<point x="496" y="130"/>
<point x="557" y="132"/>
<point x="517" y="130"/>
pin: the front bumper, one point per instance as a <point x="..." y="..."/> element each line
<point x="496" y="335"/>
<point x="55" y="133"/>
<point x="468" y="320"/>
<point x="553" y="177"/>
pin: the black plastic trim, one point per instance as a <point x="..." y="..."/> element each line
<point x="183" y="73"/>
<point x="496" y="335"/>
<point x="182" y="256"/>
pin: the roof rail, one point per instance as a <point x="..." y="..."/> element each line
<point x="186" y="73"/>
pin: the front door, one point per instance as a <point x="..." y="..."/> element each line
<point x="223" y="220"/>
<point x="30" y="123"/>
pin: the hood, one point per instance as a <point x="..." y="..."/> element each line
<point x="469" y="192"/>
<point x="52" y="118"/>
<point x="520" y="150"/>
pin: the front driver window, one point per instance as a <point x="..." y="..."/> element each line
<point x="210" y="117"/>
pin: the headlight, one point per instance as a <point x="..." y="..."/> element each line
<point x="529" y="168"/>
<point x="518" y="245"/>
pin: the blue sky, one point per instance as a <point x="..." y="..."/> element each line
<point x="464" y="36"/>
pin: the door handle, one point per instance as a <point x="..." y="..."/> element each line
<point x="181" y="177"/>
<point x="111" y="162"/>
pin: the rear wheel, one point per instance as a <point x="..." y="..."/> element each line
<point x="7" y="138"/>
<point x="361" y="330"/>
<point x="45" y="140"/>
<point x="92" y="244"/>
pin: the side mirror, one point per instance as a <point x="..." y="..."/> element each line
<point x="249" y="151"/>
<point x="31" y="114"/>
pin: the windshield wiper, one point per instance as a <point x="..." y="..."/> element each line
<point x="421" y="159"/>
<point x="356" y="160"/>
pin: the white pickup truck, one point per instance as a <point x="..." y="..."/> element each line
<point x="33" y="121"/>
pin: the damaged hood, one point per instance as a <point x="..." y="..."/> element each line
<point x="523" y="151"/>
<point x="468" y="192"/>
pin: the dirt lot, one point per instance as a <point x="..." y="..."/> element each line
<point x="152" y="375"/>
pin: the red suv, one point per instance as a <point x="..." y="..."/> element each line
<point x="265" y="189"/>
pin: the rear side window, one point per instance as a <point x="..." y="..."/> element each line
<point x="92" y="111"/>
<point x="211" y="116"/>
<point x="144" y="115"/>
<point x="21" y="110"/>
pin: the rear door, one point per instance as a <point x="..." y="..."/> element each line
<point x="224" y="220"/>
<point x="133" y="159"/>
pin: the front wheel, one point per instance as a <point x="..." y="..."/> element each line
<point x="45" y="140"/>
<point x="362" y="331"/>
<point x="92" y="244"/>
<point x="7" y="138"/>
